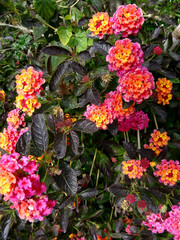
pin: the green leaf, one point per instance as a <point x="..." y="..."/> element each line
<point x="88" y="193"/>
<point x="175" y="80"/>
<point x="39" y="133"/>
<point x="67" y="180"/>
<point x="118" y="190"/>
<point x="45" y="8"/>
<point x="97" y="4"/>
<point x="64" y="220"/>
<point x="64" y="34"/>
<point x="85" y="125"/>
<point x="6" y="225"/>
<point x="104" y="164"/>
<point x="39" y="31"/>
<point x="69" y="102"/>
<point x="93" y="96"/>
<point x="76" y="14"/>
<point x="81" y="41"/>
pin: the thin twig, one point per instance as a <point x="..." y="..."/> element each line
<point x="23" y="29"/>
<point x="155" y="121"/>
<point x="139" y="142"/>
<point x="93" y="162"/>
<point x="97" y="179"/>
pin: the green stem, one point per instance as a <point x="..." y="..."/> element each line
<point x="124" y="136"/>
<point x="139" y="142"/>
<point x="112" y="210"/>
<point x="155" y="121"/>
<point x="97" y="179"/>
<point x="93" y="163"/>
<point x="127" y="136"/>
<point x="45" y="23"/>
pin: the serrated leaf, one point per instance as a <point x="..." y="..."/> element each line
<point x="55" y="51"/>
<point x="150" y="204"/>
<point x="69" y="102"/>
<point x="57" y="76"/>
<point x="76" y="14"/>
<point x="168" y="73"/>
<point x="174" y="55"/>
<point x="130" y="149"/>
<point x="82" y="101"/>
<point x="93" y="96"/>
<point x="64" y="34"/>
<point x="74" y="141"/>
<point x="81" y="89"/>
<point x="65" y="202"/>
<point x="51" y="122"/>
<point x="104" y="164"/>
<point x="67" y="180"/>
<point x="119" y="226"/>
<point x="45" y="8"/>
<point x="102" y="47"/>
<point x="85" y="55"/>
<point x="118" y="190"/>
<point x="88" y="193"/>
<point x="60" y="144"/>
<point x="95" y="214"/>
<point x="23" y="143"/>
<point x="113" y="127"/>
<point x="146" y="153"/>
<point x="97" y="4"/>
<point x="155" y="33"/>
<point x="64" y="220"/>
<point x="85" y="125"/>
<point x="81" y="41"/>
<point x="6" y="225"/>
<point x="39" y="133"/>
<point x="79" y="68"/>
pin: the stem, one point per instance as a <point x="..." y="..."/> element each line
<point x="23" y="29"/>
<point x="139" y="142"/>
<point x="74" y="3"/>
<point x="127" y="136"/>
<point x="111" y="213"/>
<point x="124" y="136"/>
<point x="82" y="144"/>
<point x="155" y="121"/>
<point x="97" y="179"/>
<point x="93" y="163"/>
<point x="43" y="22"/>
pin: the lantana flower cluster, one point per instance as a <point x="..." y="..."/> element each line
<point x="100" y="24"/>
<point x="157" y="141"/>
<point x="137" y="121"/>
<point x="28" y="85"/>
<point x="163" y="90"/>
<point x="23" y="187"/>
<point x="168" y="171"/>
<point x="2" y="95"/>
<point x="127" y="19"/>
<point x="136" y="85"/>
<point x="16" y="119"/>
<point x="134" y="168"/>
<point x="169" y="221"/>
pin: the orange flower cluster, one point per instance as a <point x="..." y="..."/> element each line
<point x="101" y="115"/>
<point x="28" y="84"/>
<point x="7" y="179"/>
<point x="15" y="119"/>
<point x="168" y="171"/>
<point x="100" y="24"/>
<point x="157" y="141"/>
<point x="163" y="90"/>
<point x="133" y="169"/>
<point x="2" y="95"/>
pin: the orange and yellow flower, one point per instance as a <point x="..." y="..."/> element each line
<point x="157" y="141"/>
<point x="168" y="171"/>
<point x="100" y="24"/>
<point x="2" y="95"/>
<point x="133" y="169"/>
<point x="163" y="90"/>
<point x="7" y="179"/>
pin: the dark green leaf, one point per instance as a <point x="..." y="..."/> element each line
<point x="83" y="21"/>
<point x="58" y="74"/>
<point x="97" y="4"/>
<point x="6" y="225"/>
<point x="74" y="141"/>
<point x="88" y="193"/>
<point x="161" y="112"/>
<point x="113" y="127"/>
<point x="79" y="68"/>
<point x="76" y="14"/>
<point x="125" y="236"/>
<point x="119" y="226"/>
<point x="146" y="153"/>
<point x="85" y="125"/>
<point x="60" y="144"/>
<point x="175" y="80"/>
<point x="170" y="40"/>
<point x="93" y="232"/>
<point x="2" y="152"/>
<point x="130" y="149"/>
<point x="104" y="164"/>
<point x="174" y="55"/>
<point x="168" y="73"/>
<point x="64" y="220"/>
<point x="154" y="66"/>
<point x="163" y="153"/>
<point x="150" y="204"/>
<point x="69" y="102"/>
<point x="67" y="180"/>
<point x="23" y="143"/>
<point x="51" y="122"/>
<point x="115" y="235"/>
<point x="93" y="96"/>
<point x="126" y="104"/>
<point x="55" y="51"/>
<point x="155" y="33"/>
<point x="39" y="133"/>
<point x="64" y="34"/>
<point x="102" y="47"/>
<point x="49" y="65"/>
<point x="45" y="8"/>
<point x="118" y="190"/>
<point x="85" y="55"/>
<point x="82" y="101"/>
<point x="65" y="202"/>
<point x="95" y="214"/>
<point x="81" y="89"/>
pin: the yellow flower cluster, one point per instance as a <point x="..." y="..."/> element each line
<point x="163" y="90"/>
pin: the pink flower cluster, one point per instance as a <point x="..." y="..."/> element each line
<point x="124" y="56"/>
<point x="137" y="121"/>
<point x="15" y="119"/>
<point x="169" y="221"/>
<point x="26" y="191"/>
<point x="136" y="85"/>
<point x="127" y="19"/>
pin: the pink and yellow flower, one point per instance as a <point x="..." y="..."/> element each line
<point x="163" y="90"/>
<point x="136" y="85"/>
<point x="100" y="24"/>
<point x="168" y="171"/>
<point x="2" y="95"/>
<point x="133" y="169"/>
<point x="127" y="19"/>
<point x="124" y="56"/>
<point x="15" y="119"/>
